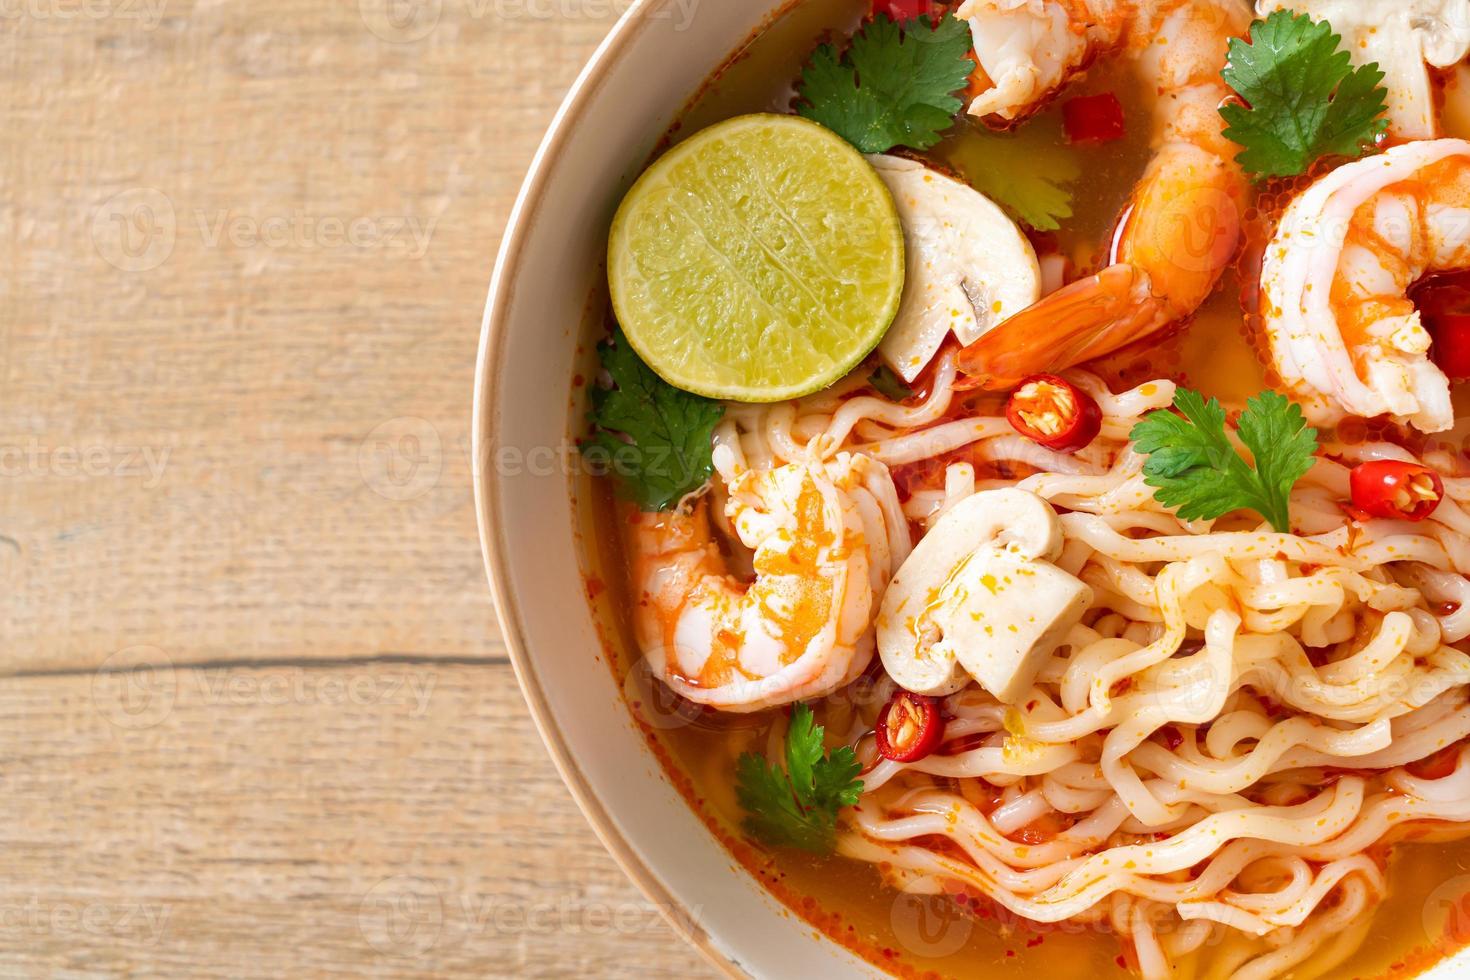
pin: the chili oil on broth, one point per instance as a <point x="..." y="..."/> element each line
<point x="698" y="748"/>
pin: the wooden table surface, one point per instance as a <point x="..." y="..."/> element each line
<point x="258" y="719"/>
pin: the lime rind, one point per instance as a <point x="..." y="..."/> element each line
<point x="759" y="260"/>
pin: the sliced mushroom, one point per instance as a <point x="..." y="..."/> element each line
<point x="968" y="267"/>
<point x="1402" y="37"/>
<point x="980" y="598"/>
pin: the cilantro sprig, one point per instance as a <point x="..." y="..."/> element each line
<point x="894" y="86"/>
<point x="1194" y="468"/>
<point x="654" y="439"/>
<point x="796" y="805"/>
<point x="1304" y="100"/>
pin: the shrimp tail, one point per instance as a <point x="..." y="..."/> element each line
<point x="1081" y="321"/>
<point x="1173" y="242"/>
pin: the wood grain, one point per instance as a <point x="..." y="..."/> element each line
<point x="381" y="819"/>
<point x="247" y="247"/>
<point x="250" y="247"/>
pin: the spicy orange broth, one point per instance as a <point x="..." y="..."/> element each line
<point x="1427" y="913"/>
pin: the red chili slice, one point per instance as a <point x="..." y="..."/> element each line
<point x="1395" y="490"/>
<point x="903" y="10"/>
<point x="1444" y="303"/>
<point x="1094" y="119"/>
<point x="1055" y="413"/>
<point x="909" y="727"/>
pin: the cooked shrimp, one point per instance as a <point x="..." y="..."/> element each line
<point x="1028" y="49"/>
<point x="825" y="537"/>
<point x="1343" y="334"/>
<point x="1181" y="229"/>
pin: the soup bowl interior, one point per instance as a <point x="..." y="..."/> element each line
<point x="552" y="257"/>
<point x="527" y="415"/>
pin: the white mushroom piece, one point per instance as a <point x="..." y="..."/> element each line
<point x="968" y="268"/>
<point x="980" y="598"/>
<point x="1403" y="37"/>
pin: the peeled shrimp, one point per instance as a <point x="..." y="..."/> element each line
<point x="825" y="536"/>
<point x="1343" y="334"/>
<point x="1028" y="49"/>
<point x="1183" y="225"/>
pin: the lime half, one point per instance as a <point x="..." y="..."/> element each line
<point x="760" y="259"/>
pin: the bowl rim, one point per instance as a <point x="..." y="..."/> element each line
<point x="488" y="363"/>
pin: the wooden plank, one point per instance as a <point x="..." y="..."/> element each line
<point x="378" y="819"/>
<point x="247" y="246"/>
<point x="247" y="250"/>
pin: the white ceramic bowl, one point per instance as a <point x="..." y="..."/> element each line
<point x="635" y="86"/>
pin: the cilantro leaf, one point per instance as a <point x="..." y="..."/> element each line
<point x="888" y="384"/>
<point x="796" y="806"/>
<point x="1028" y="172"/>
<point x="1194" y="468"/>
<point x="894" y="86"/>
<point x="655" y="439"/>
<point x="1304" y="98"/>
<point x="1283" y="446"/>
